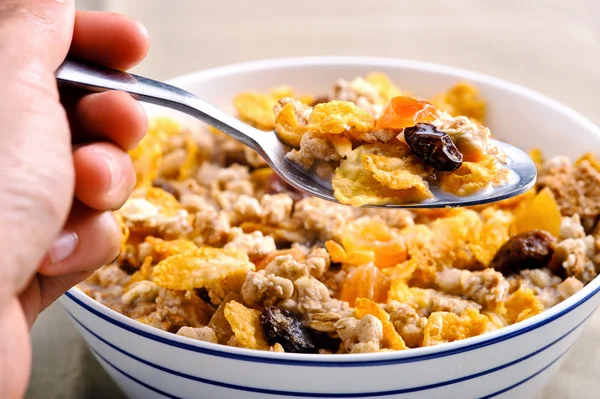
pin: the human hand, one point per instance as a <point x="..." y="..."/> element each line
<point x="63" y="159"/>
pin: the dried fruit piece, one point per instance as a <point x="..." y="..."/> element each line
<point x="365" y="281"/>
<point x="522" y="304"/>
<point x="337" y="117"/>
<point x="433" y="146"/>
<point x="391" y="338"/>
<point x="339" y="255"/>
<point x="402" y="112"/>
<point x="373" y="234"/>
<point x="538" y="213"/>
<point x="246" y="326"/>
<point x="213" y="268"/>
<point x="282" y="328"/>
<point x="529" y="250"/>
<point x="461" y="100"/>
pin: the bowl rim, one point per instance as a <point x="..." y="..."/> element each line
<point x="356" y="360"/>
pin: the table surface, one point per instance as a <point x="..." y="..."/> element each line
<point x="551" y="46"/>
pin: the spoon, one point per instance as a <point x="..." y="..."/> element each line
<point x="98" y="79"/>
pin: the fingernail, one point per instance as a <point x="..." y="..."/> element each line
<point x="114" y="168"/>
<point x="63" y="246"/>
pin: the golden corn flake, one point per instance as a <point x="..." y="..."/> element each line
<point x="342" y="145"/>
<point x="146" y="159"/>
<point x="591" y="158"/>
<point x="461" y="100"/>
<point x="400" y="291"/>
<point x="164" y="249"/>
<point x="445" y="327"/>
<point x="257" y="108"/>
<point x="384" y="86"/>
<point x="143" y="273"/>
<point x="246" y="326"/>
<point x="537" y="157"/>
<point x="469" y="178"/>
<point x="538" y="213"/>
<point x="402" y="270"/>
<point x="163" y="202"/>
<point x="337" y="117"/>
<point x="203" y="267"/>
<point x="190" y="164"/>
<point x="356" y="186"/>
<point x="455" y="233"/>
<point x="392" y="340"/>
<point x="288" y="127"/>
<point x="124" y="229"/>
<point x="488" y="239"/>
<point x="522" y="304"/>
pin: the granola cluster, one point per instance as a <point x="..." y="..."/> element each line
<point x="217" y="248"/>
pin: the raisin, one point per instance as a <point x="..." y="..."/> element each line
<point x="283" y="328"/>
<point x="276" y="185"/>
<point x="433" y="146"/>
<point x="165" y="186"/>
<point x="529" y="250"/>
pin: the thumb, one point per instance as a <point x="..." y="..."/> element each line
<point x="36" y="187"/>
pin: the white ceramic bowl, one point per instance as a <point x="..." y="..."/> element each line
<point x="514" y="362"/>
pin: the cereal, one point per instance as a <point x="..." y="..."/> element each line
<point x="246" y="326"/>
<point x="204" y="267"/>
<point x="391" y="339"/>
<point x="212" y="238"/>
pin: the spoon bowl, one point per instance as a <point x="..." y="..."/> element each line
<point x="97" y="79"/>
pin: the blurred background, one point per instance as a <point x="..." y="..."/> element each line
<point x="551" y="46"/>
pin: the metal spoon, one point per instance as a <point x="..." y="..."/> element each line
<point x="97" y="79"/>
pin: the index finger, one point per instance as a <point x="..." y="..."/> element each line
<point x="109" y="39"/>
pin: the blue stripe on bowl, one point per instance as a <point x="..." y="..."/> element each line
<point x="332" y="395"/>
<point x="326" y="395"/>
<point x="323" y="363"/>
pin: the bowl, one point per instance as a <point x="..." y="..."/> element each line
<point x="513" y="362"/>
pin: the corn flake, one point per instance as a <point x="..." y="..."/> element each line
<point x="538" y="213"/>
<point x="398" y="173"/>
<point x="246" y="326"/>
<point x="591" y="158"/>
<point x="469" y="178"/>
<point x="384" y="86"/>
<point x="392" y="340"/>
<point x="336" y="117"/>
<point x="288" y="127"/>
<point x="522" y="304"/>
<point x="190" y="163"/>
<point x="356" y="186"/>
<point x="488" y="239"/>
<point x="445" y="327"/>
<point x="461" y="100"/>
<point x="225" y="269"/>
<point x="163" y="249"/>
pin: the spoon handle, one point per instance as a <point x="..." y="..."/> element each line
<point x="95" y="78"/>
